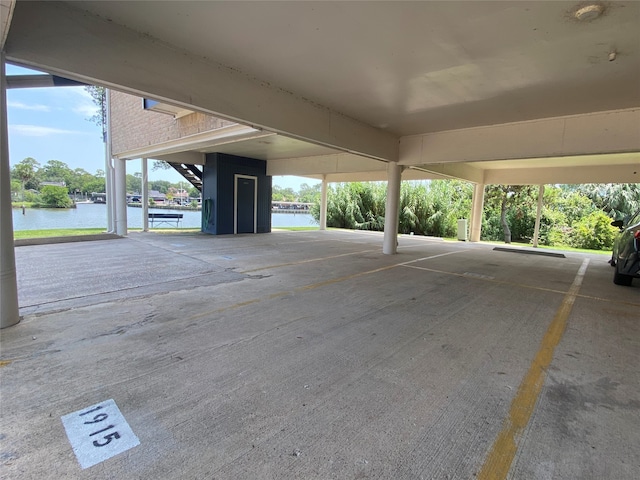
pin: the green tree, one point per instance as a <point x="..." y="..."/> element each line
<point x="96" y="185"/>
<point x="160" y="165"/>
<point x="16" y="189"/>
<point x="279" y="194"/>
<point x="309" y="194"/>
<point x="57" y="171"/>
<point x="134" y="182"/>
<point x="161" y="186"/>
<point x="99" y="97"/>
<point x="502" y="199"/>
<point x="594" y="232"/>
<point x="52" y="196"/>
<point x="615" y="199"/>
<point x="26" y="171"/>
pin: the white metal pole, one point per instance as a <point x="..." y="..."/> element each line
<point x="536" y="231"/>
<point x="476" y="211"/>
<point x="121" y="196"/>
<point x="145" y="196"/>
<point x="9" y="310"/>
<point x="392" y="209"/>
<point x="108" y="167"/>
<point x="323" y="203"/>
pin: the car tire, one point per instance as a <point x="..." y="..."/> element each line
<point x="624" y="280"/>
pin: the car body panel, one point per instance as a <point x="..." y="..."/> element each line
<point x="626" y="248"/>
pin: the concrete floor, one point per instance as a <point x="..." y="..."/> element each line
<point x="312" y="355"/>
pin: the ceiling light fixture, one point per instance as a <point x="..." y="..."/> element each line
<point x="589" y="12"/>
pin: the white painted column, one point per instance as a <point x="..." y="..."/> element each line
<point x="9" y="311"/>
<point x="145" y="196"/>
<point x="323" y="203"/>
<point x="120" y="178"/>
<point x="536" y="231"/>
<point x="476" y="211"/>
<point x="392" y="209"/>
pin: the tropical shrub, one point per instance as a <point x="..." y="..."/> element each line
<point x="594" y="232"/>
<point x="52" y="196"/>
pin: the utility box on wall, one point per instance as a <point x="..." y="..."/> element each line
<point x="236" y="195"/>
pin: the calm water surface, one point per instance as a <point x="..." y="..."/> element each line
<point x="94" y="215"/>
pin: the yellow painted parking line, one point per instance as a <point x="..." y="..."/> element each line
<point x="308" y="260"/>
<point x="498" y="462"/>
<point x="316" y="285"/>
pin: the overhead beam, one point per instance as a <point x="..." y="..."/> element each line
<point x="407" y="174"/>
<point x="594" y="133"/>
<point x="625" y="173"/>
<point x="61" y="39"/>
<point x="188" y="158"/>
<point x="460" y="171"/>
<point x="6" y="12"/>
<point x="325" y="164"/>
<point x="39" y="81"/>
<point x="205" y="141"/>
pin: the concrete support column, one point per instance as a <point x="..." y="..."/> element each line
<point x="9" y="312"/>
<point x="323" y="204"/>
<point x="536" y="231"/>
<point x="145" y="196"/>
<point x="476" y="211"/>
<point x="120" y="178"/>
<point x="392" y="209"/>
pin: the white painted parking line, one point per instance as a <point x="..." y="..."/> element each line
<point x="98" y="432"/>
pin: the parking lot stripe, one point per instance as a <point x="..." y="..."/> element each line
<point x="498" y="462"/>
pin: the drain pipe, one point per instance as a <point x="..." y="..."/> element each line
<point x="108" y="166"/>
<point x="145" y="196"/>
<point x="9" y="310"/>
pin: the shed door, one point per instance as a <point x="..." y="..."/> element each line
<point x="246" y="204"/>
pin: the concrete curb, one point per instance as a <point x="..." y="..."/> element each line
<point x="24" y="242"/>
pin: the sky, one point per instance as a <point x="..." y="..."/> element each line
<point x="53" y="124"/>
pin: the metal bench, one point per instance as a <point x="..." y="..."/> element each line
<point x="169" y="218"/>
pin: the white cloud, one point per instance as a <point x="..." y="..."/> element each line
<point x="86" y="109"/>
<point x="24" y="106"/>
<point x="38" y="131"/>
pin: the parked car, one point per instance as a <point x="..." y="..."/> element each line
<point x="626" y="250"/>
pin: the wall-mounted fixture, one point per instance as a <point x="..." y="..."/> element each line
<point x="590" y="12"/>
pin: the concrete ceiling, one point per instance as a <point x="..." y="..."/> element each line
<point x="361" y="78"/>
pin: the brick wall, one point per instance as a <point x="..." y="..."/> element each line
<point x="134" y="127"/>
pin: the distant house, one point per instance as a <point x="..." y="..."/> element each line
<point x="156" y="196"/>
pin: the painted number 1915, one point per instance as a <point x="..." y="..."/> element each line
<point x="98" y="432"/>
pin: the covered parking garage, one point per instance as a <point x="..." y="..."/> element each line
<point x="443" y="360"/>
<point x="310" y="355"/>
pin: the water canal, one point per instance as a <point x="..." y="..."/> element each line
<point x="94" y="215"/>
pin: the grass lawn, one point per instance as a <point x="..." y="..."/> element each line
<point x="56" y="232"/>
<point x="564" y="248"/>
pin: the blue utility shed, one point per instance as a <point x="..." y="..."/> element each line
<point x="236" y="195"/>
